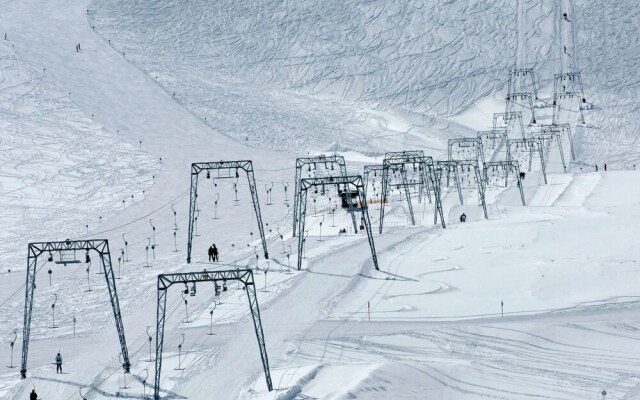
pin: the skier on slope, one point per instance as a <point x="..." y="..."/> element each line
<point x="210" y="252"/>
<point x="605" y="166"/>
<point x="463" y="217"/>
<point x="215" y="253"/>
<point x="33" y="395"/>
<point x="58" y="363"/>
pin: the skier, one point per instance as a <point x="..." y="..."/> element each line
<point x="33" y="395"/>
<point x="596" y="167"/>
<point x="215" y="253"/>
<point x="211" y="258"/>
<point x="463" y="217"/>
<point x="605" y="166"/>
<point x="58" y="363"/>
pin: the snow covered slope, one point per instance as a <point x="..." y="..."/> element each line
<point x="98" y="143"/>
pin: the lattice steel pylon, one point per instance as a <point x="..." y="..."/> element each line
<point x="328" y="162"/>
<point x="561" y="130"/>
<point x="478" y="179"/>
<point x="34" y="250"/>
<point x="507" y="166"/>
<point x="546" y="136"/>
<point x="521" y="80"/>
<point x="469" y="146"/>
<point x="530" y="145"/>
<point x="450" y="167"/>
<point x="508" y="118"/>
<point x="224" y="169"/>
<point x="245" y="276"/>
<point x="425" y="167"/>
<point x="350" y="184"/>
<point x="368" y="169"/>
<point x="492" y="140"/>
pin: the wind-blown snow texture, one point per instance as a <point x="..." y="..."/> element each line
<point x="98" y="143"/>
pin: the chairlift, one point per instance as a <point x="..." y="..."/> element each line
<point x="87" y="259"/>
<point x="237" y="174"/>
<point x="50" y="259"/>
<point x="208" y="175"/>
<point x="192" y="293"/>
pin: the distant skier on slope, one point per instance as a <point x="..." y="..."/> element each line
<point x="33" y="395"/>
<point x="210" y="252"/>
<point x="58" y="363"/>
<point x="596" y="167"/>
<point x="605" y="166"/>
<point x="463" y="217"/>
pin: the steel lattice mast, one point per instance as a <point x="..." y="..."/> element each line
<point x="34" y="250"/>
<point x="245" y="276"/>
<point x="225" y="169"/>
<point x="328" y="162"/>
<point x="350" y="184"/>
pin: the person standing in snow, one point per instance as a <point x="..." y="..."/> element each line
<point x="605" y="166"/>
<point x="596" y="167"/>
<point x="215" y="253"/>
<point x="210" y="252"/>
<point x="58" y="363"/>
<point x="33" y="395"/>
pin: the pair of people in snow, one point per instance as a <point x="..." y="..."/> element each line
<point x="213" y="253"/>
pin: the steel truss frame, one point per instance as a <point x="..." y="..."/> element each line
<point x="521" y="75"/>
<point x="479" y="181"/>
<point x="546" y="136"/>
<point x="425" y="167"/>
<point x="531" y="144"/>
<point x="308" y="161"/>
<point x="34" y="250"/>
<point x="367" y="171"/>
<point x="450" y="167"/>
<point x="561" y="129"/>
<point x="245" y="276"/>
<point x="571" y="85"/>
<point x="227" y="166"/>
<point x="561" y="96"/>
<point x="498" y="135"/>
<point x="350" y="183"/>
<point x="508" y="116"/>
<point x="507" y="166"/>
<point x="523" y="97"/>
<point x="467" y="142"/>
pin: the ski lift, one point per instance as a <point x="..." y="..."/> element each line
<point x="224" y="285"/>
<point x="309" y="169"/>
<point x="186" y="289"/>
<point x="208" y="175"/>
<point x="192" y="293"/>
<point x="332" y="166"/>
<point x="50" y="259"/>
<point x="237" y="174"/>
<point x="87" y="259"/>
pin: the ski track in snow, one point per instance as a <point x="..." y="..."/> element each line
<point x="301" y="77"/>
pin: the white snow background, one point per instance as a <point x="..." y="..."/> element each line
<point x="98" y="144"/>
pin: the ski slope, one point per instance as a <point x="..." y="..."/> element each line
<point x="98" y="144"/>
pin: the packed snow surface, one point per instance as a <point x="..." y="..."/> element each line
<point x="537" y="301"/>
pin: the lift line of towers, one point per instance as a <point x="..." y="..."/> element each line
<point x="471" y="162"/>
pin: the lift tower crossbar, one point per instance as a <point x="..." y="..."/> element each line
<point x="531" y="145"/>
<point x="224" y="169"/>
<point x="34" y="250"/>
<point x="425" y="165"/>
<point x="507" y="166"/>
<point x="350" y="184"/>
<point x="328" y="162"/>
<point x="245" y="276"/>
